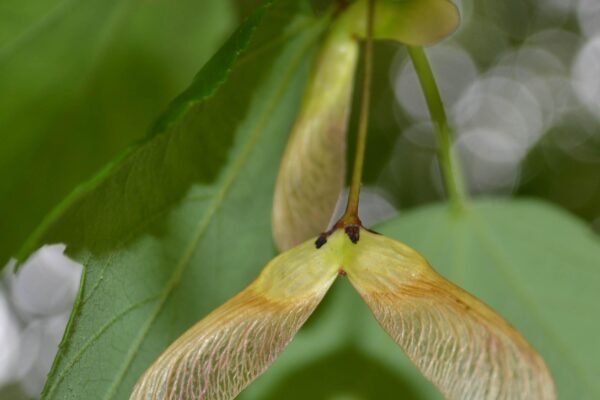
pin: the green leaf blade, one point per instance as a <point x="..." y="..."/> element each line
<point x="534" y="264"/>
<point x="80" y="81"/>
<point x="182" y="223"/>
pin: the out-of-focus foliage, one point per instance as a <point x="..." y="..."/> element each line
<point x="155" y="232"/>
<point x="79" y="81"/>
<point x="518" y="79"/>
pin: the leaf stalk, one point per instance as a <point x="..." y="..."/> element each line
<point x="351" y="214"/>
<point x="452" y="175"/>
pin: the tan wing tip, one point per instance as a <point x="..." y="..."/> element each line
<point x="459" y="343"/>
<point x="233" y="345"/>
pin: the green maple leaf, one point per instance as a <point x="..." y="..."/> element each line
<point x="80" y="80"/>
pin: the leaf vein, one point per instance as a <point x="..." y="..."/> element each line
<point x="94" y="338"/>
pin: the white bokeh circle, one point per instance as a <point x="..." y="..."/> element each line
<point x="586" y="75"/>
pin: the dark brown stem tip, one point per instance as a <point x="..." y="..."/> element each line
<point x="321" y="240"/>
<point x="353" y="232"/>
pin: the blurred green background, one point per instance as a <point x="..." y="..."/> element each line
<point x="82" y="79"/>
<point x="522" y="91"/>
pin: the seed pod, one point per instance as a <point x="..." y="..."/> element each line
<point x="234" y="344"/>
<point x="313" y="167"/>
<point x="460" y="344"/>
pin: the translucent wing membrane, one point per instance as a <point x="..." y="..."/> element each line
<point x="312" y="171"/>
<point x="219" y="356"/>
<point x="234" y="344"/>
<point x="458" y="343"/>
